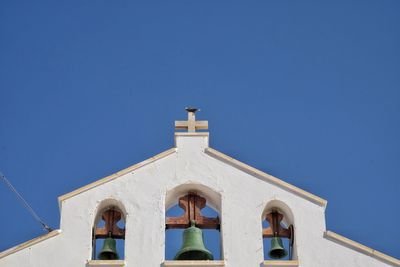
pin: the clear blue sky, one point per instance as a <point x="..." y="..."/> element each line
<point x="308" y="91"/>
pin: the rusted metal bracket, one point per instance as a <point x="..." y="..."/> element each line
<point x="275" y="228"/>
<point x="110" y="229"/>
<point x="192" y="205"/>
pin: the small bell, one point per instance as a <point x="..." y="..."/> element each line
<point x="277" y="250"/>
<point x="193" y="246"/>
<point x="109" y="250"/>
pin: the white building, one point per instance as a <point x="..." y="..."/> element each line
<point x="242" y="195"/>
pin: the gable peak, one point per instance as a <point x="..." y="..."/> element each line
<point x="187" y="135"/>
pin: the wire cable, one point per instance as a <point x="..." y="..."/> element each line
<point x="24" y="203"/>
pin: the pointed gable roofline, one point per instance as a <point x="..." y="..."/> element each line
<point x="115" y="175"/>
<point x="266" y="177"/>
<point x="237" y="164"/>
<point x="211" y="152"/>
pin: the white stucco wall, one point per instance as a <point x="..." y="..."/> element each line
<point x="240" y="198"/>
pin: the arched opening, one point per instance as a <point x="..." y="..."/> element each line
<point x="108" y="237"/>
<point x="192" y="225"/>
<point x="278" y="232"/>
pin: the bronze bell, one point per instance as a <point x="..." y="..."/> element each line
<point x="277" y="250"/>
<point x="109" y="250"/>
<point x="193" y="246"/>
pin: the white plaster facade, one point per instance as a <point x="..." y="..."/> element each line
<point x="239" y="192"/>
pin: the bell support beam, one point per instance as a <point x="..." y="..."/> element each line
<point x="275" y="228"/>
<point x="111" y="217"/>
<point x="192" y="205"/>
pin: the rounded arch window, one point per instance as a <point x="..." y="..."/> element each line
<point x="278" y="232"/>
<point x="108" y="237"/>
<point x="192" y="224"/>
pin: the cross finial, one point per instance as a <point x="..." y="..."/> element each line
<point x="191" y="124"/>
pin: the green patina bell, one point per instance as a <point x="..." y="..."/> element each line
<point x="109" y="250"/>
<point x="277" y="250"/>
<point x="193" y="247"/>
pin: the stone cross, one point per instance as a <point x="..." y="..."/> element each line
<point x="191" y="124"/>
